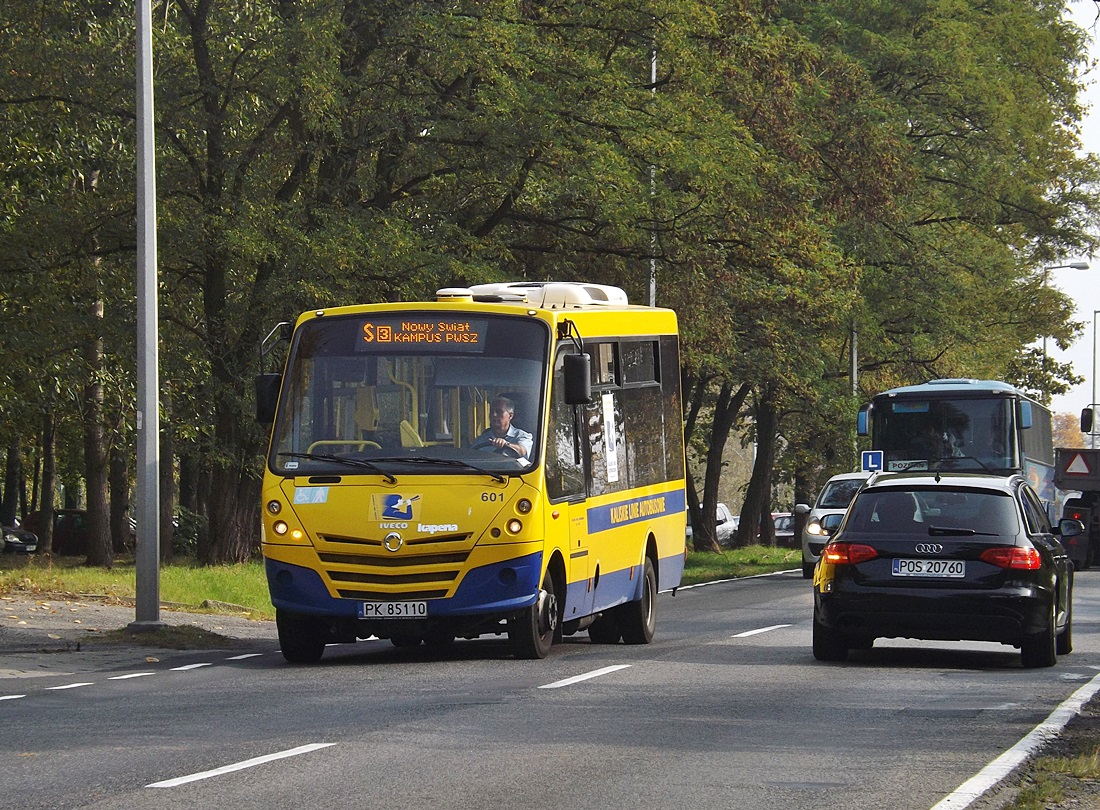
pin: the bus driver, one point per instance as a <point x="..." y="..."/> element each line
<point x="502" y="437"/>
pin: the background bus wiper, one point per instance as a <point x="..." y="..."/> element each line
<point x="351" y="462"/>
<point x="448" y="462"/>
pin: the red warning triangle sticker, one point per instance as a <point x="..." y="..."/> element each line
<point x="1078" y="465"/>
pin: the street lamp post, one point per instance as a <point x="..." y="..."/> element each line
<point x="1092" y="400"/>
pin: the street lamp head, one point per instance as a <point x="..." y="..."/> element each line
<point x="1078" y="265"/>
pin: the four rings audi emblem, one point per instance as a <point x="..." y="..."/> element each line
<point x="928" y="548"/>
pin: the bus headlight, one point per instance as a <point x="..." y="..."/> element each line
<point x="280" y="527"/>
<point x="514" y="526"/>
<point x="523" y="506"/>
<point x="274" y="507"/>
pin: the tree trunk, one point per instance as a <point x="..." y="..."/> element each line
<point x="121" y="539"/>
<point x="756" y="511"/>
<point x="45" y="508"/>
<point x="100" y="551"/>
<point x="12" y="473"/>
<point x="167" y="491"/>
<point x="726" y="410"/>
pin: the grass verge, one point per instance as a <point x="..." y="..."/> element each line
<point x="186" y="584"/>
<point x="1067" y="774"/>
<point x="704" y="566"/>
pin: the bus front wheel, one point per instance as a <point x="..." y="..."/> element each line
<point x="532" y="631"/>
<point x="301" y="638"/>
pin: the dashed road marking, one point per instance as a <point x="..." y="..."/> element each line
<point x="240" y="766"/>
<point x="584" y="677"/>
<point x="759" y="630"/>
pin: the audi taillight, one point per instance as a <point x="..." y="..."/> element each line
<point x="1023" y="559"/>
<point x="848" y="553"/>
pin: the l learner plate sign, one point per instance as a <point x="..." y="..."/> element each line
<point x="393" y="610"/>
<point x="929" y="568"/>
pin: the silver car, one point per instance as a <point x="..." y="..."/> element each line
<point x="825" y="515"/>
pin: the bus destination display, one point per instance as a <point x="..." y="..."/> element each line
<point x="422" y="333"/>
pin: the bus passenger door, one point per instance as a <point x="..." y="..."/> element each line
<point x="565" y="488"/>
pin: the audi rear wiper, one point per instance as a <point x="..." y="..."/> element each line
<point x="350" y="462"/>
<point x="956" y="531"/>
<point x="446" y="462"/>
<point x="941" y="531"/>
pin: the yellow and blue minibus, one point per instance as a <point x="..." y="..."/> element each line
<point x="507" y="459"/>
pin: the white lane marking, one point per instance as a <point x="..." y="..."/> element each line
<point x="189" y="666"/>
<point x="731" y="579"/>
<point x="70" y="686"/>
<point x="11" y="697"/>
<point x="759" y="630"/>
<point x="242" y="657"/>
<point x="240" y="766"/>
<point x="972" y="789"/>
<point x="578" y="678"/>
<point x="131" y="675"/>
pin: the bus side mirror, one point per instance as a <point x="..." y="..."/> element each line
<point x="578" y="379"/>
<point x="267" y="396"/>
<point x="863" y="419"/>
<point x="1086" y="420"/>
<point x="1025" y="415"/>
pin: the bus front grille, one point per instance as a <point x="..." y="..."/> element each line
<point x="425" y="568"/>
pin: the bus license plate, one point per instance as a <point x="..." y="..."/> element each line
<point x="929" y="568"/>
<point x="393" y="610"/>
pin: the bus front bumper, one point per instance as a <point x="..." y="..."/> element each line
<point x="500" y="589"/>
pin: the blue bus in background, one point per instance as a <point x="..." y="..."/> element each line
<point x="983" y="426"/>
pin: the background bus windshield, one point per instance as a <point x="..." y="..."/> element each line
<point x="960" y="434"/>
<point x="416" y="386"/>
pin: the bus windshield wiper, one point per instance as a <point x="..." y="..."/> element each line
<point x="351" y="462"/>
<point x="446" y="462"/>
<point x="947" y="462"/>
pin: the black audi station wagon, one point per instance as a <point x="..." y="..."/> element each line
<point x="950" y="557"/>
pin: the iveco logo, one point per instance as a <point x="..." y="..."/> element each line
<point x="393" y="541"/>
<point x="921" y="548"/>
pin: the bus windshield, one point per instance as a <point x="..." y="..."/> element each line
<point x="947" y="433"/>
<point x="410" y="393"/>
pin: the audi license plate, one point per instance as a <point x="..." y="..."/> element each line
<point x="929" y="568"/>
<point x="393" y="610"/>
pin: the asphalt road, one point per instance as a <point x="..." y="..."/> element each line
<point x="727" y="708"/>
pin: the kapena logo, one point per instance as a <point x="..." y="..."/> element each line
<point x="432" y="528"/>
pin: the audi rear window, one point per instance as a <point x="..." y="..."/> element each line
<point x="935" y="511"/>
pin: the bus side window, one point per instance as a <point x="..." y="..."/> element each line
<point x="564" y="470"/>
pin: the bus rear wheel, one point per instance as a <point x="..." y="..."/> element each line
<point x="638" y="620"/>
<point x="301" y="638"/>
<point x="532" y="631"/>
